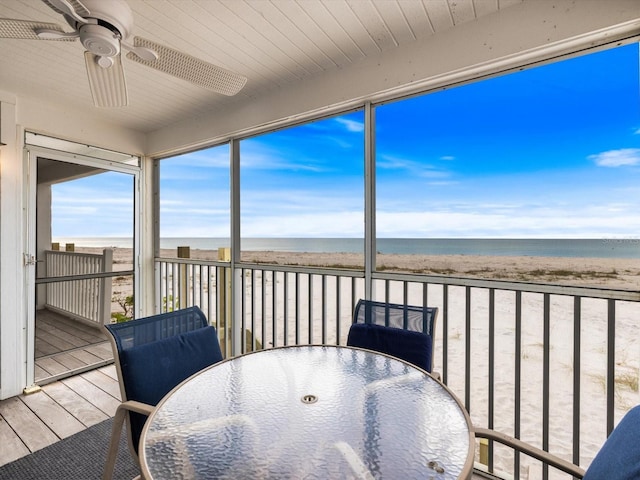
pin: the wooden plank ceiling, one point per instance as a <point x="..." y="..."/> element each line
<point x="273" y="43"/>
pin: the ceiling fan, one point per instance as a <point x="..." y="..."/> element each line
<point x="103" y="28"/>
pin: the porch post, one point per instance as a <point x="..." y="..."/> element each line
<point x="104" y="315"/>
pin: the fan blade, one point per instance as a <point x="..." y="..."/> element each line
<point x="71" y="8"/>
<point x="189" y="68"/>
<point x="108" y="86"/>
<point x="26" y="30"/>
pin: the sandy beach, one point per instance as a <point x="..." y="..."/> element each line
<point x="616" y="273"/>
<point x="622" y="274"/>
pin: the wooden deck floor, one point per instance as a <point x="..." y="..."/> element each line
<point x="65" y="347"/>
<point x="31" y="422"/>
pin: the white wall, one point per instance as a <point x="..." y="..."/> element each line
<point x="77" y="126"/>
<point x="12" y="314"/>
<point x="488" y="43"/>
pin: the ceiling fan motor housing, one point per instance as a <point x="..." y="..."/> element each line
<point x="106" y="25"/>
<point x="100" y="40"/>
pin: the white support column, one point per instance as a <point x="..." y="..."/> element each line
<point x="369" y="200"/>
<point x="147" y="237"/>
<point x="236" y="278"/>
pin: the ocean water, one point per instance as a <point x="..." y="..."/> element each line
<point x="590" y="248"/>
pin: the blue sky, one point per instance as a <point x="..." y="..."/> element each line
<point x="548" y="152"/>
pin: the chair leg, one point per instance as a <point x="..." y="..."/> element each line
<point x="118" y="422"/>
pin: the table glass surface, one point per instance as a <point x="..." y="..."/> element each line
<point x="309" y="412"/>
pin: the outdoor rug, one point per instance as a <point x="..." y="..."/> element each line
<point x="80" y="456"/>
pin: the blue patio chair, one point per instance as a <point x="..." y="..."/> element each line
<point x="152" y="356"/>
<point x="402" y="331"/>
<point x="618" y="459"/>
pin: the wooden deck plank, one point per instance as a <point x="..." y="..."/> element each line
<point x="96" y="396"/>
<point x="39" y="372"/>
<point x="65" y="347"/>
<point x="104" y="382"/>
<point x="59" y="338"/>
<point x="51" y="366"/>
<point x="89" y="333"/>
<point x="12" y="447"/>
<point x="66" y="364"/>
<point x="22" y="421"/>
<point x="61" y="422"/>
<point x="69" y="361"/>
<point x="43" y="348"/>
<point x="87" y="358"/>
<point x="102" y="350"/>
<point x="87" y="413"/>
<point x="111" y="371"/>
<point x="47" y="321"/>
<point x="26" y="424"/>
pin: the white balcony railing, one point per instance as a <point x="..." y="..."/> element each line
<point x="556" y="366"/>
<point x="84" y="299"/>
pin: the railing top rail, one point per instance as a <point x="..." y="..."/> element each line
<point x="191" y="261"/>
<point x="338" y="272"/>
<point x="74" y="254"/>
<point x="344" y="272"/>
<point x="84" y="276"/>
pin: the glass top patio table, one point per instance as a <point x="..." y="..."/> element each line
<point x="308" y="412"/>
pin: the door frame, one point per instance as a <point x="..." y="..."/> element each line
<point x="31" y="155"/>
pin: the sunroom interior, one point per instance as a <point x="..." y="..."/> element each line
<point x="310" y="66"/>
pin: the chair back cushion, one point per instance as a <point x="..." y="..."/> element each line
<point x="619" y="457"/>
<point x="151" y="370"/>
<point x="412" y="347"/>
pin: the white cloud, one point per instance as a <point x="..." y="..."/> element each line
<point x="617" y="158"/>
<point x="326" y="224"/>
<point x="443" y="183"/>
<point x="351" y="125"/>
<point x="264" y="157"/>
<point x="447" y="157"/>
<point x="525" y="224"/>
<point x="416" y="169"/>
<point x="432" y="173"/>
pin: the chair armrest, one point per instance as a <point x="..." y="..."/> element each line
<point x="118" y="422"/>
<point x="530" y="450"/>
<point x="137" y="407"/>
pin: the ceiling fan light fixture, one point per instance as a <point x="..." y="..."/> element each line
<point x="104" y="62"/>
